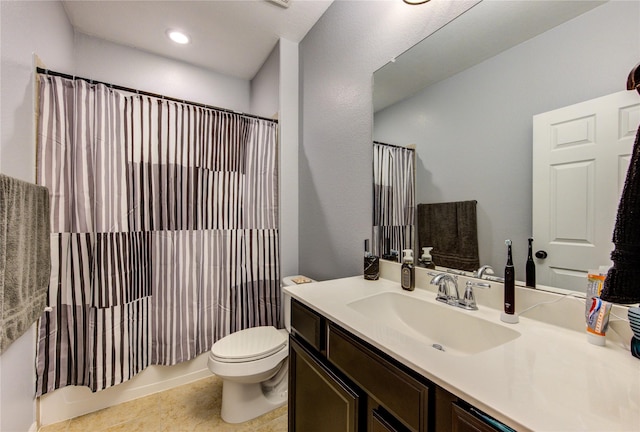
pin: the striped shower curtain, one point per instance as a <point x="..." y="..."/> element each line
<point x="393" y="199"/>
<point x="165" y="231"/>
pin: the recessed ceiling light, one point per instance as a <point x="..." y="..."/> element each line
<point x="178" y="36"/>
<point x="415" y="2"/>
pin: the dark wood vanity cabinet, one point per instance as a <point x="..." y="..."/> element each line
<point x="320" y="400"/>
<point x="338" y="382"/>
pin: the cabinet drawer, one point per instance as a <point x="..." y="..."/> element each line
<point x="403" y="396"/>
<point x="307" y="324"/>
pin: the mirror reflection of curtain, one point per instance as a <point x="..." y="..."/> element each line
<point x="393" y="199"/>
<point x="164" y="231"/>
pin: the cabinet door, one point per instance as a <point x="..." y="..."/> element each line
<point x="403" y="396"/>
<point x="319" y="400"/>
<point x="444" y="412"/>
<point x="379" y="422"/>
<point x="464" y="421"/>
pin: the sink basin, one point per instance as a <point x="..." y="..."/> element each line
<point x="446" y="328"/>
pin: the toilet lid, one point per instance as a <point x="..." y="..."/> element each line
<point x="249" y="344"/>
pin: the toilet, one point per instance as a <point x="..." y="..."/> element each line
<point x="253" y="366"/>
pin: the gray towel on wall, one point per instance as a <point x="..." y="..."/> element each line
<point x="452" y="230"/>
<point x="25" y="256"/>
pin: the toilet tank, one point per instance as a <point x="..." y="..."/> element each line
<point x="286" y="298"/>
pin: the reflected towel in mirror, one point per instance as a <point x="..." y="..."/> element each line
<point x="622" y="284"/>
<point x="452" y="229"/>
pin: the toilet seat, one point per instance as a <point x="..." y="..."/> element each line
<point x="249" y="344"/>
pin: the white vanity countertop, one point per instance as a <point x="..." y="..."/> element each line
<point x="548" y="379"/>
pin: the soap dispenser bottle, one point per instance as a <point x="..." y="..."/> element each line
<point x="371" y="264"/>
<point x="408" y="275"/>
<point x="509" y="315"/>
<point x="531" y="266"/>
<point x="426" y="259"/>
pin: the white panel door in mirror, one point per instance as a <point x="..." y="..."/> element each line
<point x="580" y="157"/>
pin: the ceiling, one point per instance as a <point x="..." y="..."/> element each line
<point x="485" y="30"/>
<point x="232" y="37"/>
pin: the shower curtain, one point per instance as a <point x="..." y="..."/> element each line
<point x="165" y="231"/>
<point x="393" y="198"/>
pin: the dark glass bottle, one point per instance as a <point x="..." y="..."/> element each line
<point x="509" y="283"/>
<point x="371" y="264"/>
<point x="408" y="271"/>
<point x="531" y="267"/>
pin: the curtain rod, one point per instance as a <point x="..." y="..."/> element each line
<point x="145" y="93"/>
<point x="394" y="145"/>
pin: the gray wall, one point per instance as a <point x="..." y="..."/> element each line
<point x="474" y="131"/>
<point x="27" y="27"/>
<point x="337" y="58"/>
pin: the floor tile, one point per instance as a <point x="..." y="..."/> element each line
<point x="192" y="407"/>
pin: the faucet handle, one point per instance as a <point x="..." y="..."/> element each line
<point x="443" y="291"/>
<point x="478" y="284"/>
<point x="468" y="301"/>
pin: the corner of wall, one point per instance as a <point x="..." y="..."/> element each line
<point x="289" y="91"/>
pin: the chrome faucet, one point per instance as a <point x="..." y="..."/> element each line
<point x="484" y="269"/>
<point x="444" y="293"/>
<point x="444" y="281"/>
<point x="486" y="272"/>
<point x="469" y="300"/>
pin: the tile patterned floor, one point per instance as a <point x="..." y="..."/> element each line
<point x="192" y="407"/>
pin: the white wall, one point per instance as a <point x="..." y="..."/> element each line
<point x="338" y="57"/>
<point x="265" y="85"/>
<point x="474" y="130"/>
<point x="117" y="64"/>
<point x="274" y="92"/>
<point x="289" y="143"/>
<point x="27" y="27"/>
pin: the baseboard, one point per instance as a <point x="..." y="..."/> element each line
<point x="69" y="402"/>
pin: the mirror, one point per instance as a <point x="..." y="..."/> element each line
<point x="466" y="96"/>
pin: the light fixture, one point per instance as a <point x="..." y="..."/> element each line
<point x="415" y="2"/>
<point x="178" y="37"/>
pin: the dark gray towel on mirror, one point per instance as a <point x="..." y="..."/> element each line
<point x="452" y="230"/>
<point x="25" y="256"/>
<point x="622" y="284"/>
